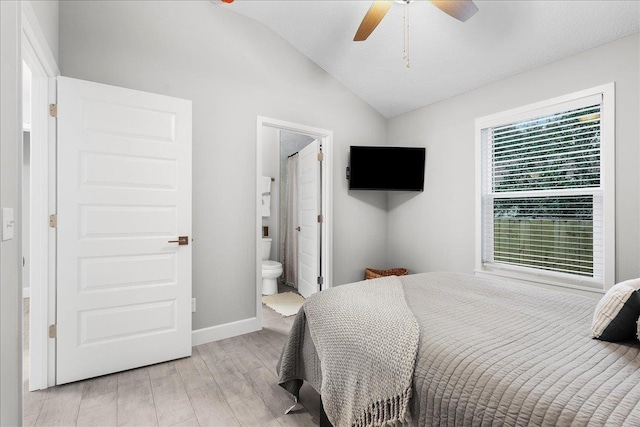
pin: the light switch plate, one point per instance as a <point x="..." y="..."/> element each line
<point x="8" y="224"/>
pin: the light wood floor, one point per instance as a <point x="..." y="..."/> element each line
<point x="226" y="383"/>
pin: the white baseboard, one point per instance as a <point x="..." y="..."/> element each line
<point x="227" y="330"/>
<point x="26" y="292"/>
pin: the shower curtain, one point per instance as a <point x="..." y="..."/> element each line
<point x="288" y="224"/>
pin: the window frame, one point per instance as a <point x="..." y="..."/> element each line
<point x="607" y="186"/>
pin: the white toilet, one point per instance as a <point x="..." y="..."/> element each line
<point x="271" y="270"/>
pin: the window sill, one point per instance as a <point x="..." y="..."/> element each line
<point x="540" y="281"/>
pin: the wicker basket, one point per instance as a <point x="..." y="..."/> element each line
<point x="372" y="273"/>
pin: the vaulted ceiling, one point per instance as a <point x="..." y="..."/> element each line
<point x="447" y="57"/>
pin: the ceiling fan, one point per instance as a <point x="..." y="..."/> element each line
<point x="459" y="9"/>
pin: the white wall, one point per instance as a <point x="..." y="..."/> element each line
<point x="434" y="230"/>
<point x="46" y="12"/>
<point x="233" y="69"/>
<point x="10" y="161"/>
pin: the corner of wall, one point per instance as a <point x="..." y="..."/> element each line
<point x="10" y="291"/>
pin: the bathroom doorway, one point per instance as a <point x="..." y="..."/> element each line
<point x="294" y="203"/>
<point x="280" y="221"/>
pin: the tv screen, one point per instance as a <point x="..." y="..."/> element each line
<point x="386" y="168"/>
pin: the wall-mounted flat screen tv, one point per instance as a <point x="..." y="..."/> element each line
<point x="386" y="168"/>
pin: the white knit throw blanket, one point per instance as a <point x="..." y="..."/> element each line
<point x="367" y="339"/>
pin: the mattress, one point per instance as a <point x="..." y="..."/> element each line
<point x="499" y="353"/>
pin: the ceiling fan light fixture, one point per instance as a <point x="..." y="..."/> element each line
<point x="459" y="9"/>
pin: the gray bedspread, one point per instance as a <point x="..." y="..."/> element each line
<point x="502" y="354"/>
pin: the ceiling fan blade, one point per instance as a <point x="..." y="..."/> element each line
<point x="459" y="9"/>
<point x="376" y="12"/>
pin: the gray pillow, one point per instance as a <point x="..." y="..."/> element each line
<point x="617" y="312"/>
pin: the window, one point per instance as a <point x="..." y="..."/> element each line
<point x="546" y="193"/>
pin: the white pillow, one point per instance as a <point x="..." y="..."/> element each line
<point x="617" y="313"/>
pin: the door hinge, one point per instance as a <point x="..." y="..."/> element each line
<point x="53" y="331"/>
<point x="53" y="110"/>
<point x="320" y="156"/>
<point x="320" y="280"/>
<point x="320" y="218"/>
<point x="53" y="220"/>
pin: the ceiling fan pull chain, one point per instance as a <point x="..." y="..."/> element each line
<point x="406" y="33"/>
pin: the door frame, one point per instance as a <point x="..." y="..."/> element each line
<point x="325" y="137"/>
<point x="37" y="55"/>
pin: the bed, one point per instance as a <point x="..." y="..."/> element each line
<point x="493" y="353"/>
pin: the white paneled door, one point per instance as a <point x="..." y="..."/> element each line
<point x="124" y="198"/>
<point x="308" y="211"/>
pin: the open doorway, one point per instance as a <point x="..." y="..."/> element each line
<point x="38" y="202"/>
<point x="282" y="151"/>
<point x="294" y="207"/>
<point x="34" y="235"/>
<point x="26" y="179"/>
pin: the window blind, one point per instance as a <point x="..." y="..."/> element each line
<point x="542" y="198"/>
